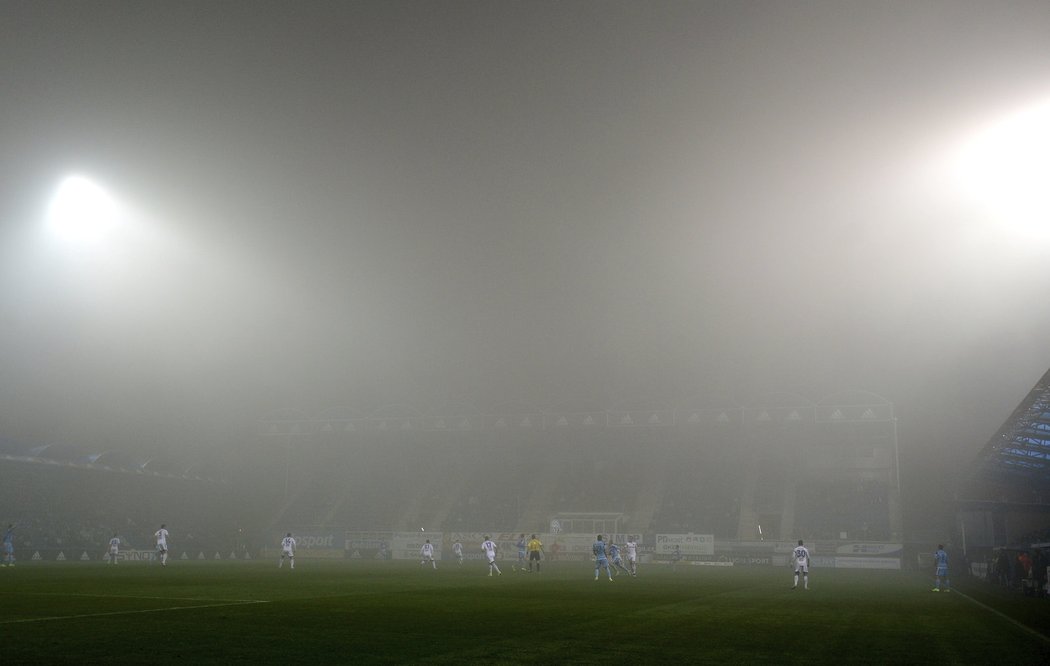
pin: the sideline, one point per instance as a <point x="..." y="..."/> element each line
<point x="1004" y="616"/>
<point x="135" y="596"/>
<point x="129" y="612"/>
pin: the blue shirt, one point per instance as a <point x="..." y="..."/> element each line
<point x="941" y="558"/>
<point x="599" y="549"/>
<point x="9" y="536"/>
<point x="614" y="551"/>
<point x="521" y="545"/>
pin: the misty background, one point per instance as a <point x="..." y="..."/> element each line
<point x="490" y="203"/>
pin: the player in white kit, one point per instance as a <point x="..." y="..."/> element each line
<point x="287" y="550"/>
<point x="490" y="548"/>
<point x="457" y="550"/>
<point x="426" y="554"/>
<point x="632" y="555"/>
<point x="800" y="557"/>
<point x="162" y="545"/>
<point x="114" y="548"/>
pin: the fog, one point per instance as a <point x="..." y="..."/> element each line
<point x="348" y="205"/>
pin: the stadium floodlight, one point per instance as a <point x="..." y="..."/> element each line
<point x="82" y="211"/>
<point x="1005" y="166"/>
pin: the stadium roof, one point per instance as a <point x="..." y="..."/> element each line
<point x="1020" y="450"/>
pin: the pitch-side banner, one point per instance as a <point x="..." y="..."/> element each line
<point x="132" y="555"/>
<point x="406" y="545"/>
<point x="871" y="549"/>
<point x="507" y="542"/>
<point x="867" y="563"/>
<point x="311" y="539"/>
<point x="311" y="543"/>
<point x="562" y="546"/>
<point x="688" y="544"/>
<point x="367" y="540"/>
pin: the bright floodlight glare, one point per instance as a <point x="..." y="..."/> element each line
<point x="1005" y="168"/>
<point x="82" y="211"/>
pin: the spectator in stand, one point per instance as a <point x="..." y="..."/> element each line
<point x="1039" y="564"/>
<point x="1024" y="561"/>
<point x="1002" y="568"/>
<point x="1026" y="564"/>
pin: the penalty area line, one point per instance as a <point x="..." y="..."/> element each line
<point x="130" y="612"/>
<point x="1006" y="617"/>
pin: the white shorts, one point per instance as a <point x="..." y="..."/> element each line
<point x="113" y="551"/>
<point x="289" y="553"/>
<point x="162" y="546"/>
<point x="801" y="567"/>
<point x="492" y="558"/>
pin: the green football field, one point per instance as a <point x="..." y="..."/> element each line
<point x="366" y="612"/>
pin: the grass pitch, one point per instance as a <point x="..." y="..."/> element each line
<point x="395" y="612"/>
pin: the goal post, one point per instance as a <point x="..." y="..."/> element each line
<point x="586" y="523"/>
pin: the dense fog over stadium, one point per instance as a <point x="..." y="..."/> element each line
<point x="572" y="205"/>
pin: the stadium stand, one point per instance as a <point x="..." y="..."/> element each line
<point x="1002" y="508"/>
<point x="61" y="506"/>
<point x="763" y="471"/>
<point x="777" y="469"/>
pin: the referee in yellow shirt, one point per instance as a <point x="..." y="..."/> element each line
<point x="535" y="547"/>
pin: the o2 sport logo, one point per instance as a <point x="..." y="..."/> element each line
<point x="316" y="541"/>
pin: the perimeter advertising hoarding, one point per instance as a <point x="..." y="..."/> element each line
<point x="564" y="546"/>
<point x="367" y="540"/>
<point x="688" y="544"/>
<point x="871" y="549"/>
<point x="312" y="543"/>
<point x="506" y="543"/>
<point x="312" y="539"/>
<point x="406" y="545"/>
<point x="867" y="563"/>
<point x="274" y="552"/>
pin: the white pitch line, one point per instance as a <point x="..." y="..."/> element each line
<point x="130" y="612"/>
<point x="1005" y="617"/>
<point x="132" y="596"/>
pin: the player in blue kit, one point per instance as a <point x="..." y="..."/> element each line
<point x="522" y="547"/>
<point x="9" y="546"/>
<point x="941" y="560"/>
<point x="601" y="559"/>
<point x="615" y="560"/>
